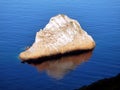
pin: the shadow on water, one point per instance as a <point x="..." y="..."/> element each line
<point x="57" y="66"/>
<point x="112" y="83"/>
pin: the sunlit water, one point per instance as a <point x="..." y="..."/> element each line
<point x="21" y="19"/>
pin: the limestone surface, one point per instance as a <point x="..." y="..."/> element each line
<point x="61" y="35"/>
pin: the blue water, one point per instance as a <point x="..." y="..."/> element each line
<point x="21" y="19"/>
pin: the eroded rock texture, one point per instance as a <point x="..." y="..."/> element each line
<point x="62" y="34"/>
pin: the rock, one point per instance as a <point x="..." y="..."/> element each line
<point x="62" y="34"/>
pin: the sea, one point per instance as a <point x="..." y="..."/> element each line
<point x="21" y="19"/>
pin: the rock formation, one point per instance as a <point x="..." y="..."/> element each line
<point x="62" y="34"/>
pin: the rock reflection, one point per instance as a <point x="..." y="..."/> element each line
<point x="61" y="65"/>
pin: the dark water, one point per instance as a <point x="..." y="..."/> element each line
<point x="21" y="19"/>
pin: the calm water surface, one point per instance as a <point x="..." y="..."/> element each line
<point x="21" y="19"/>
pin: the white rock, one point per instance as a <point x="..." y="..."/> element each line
<point x="62" y="34"/>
